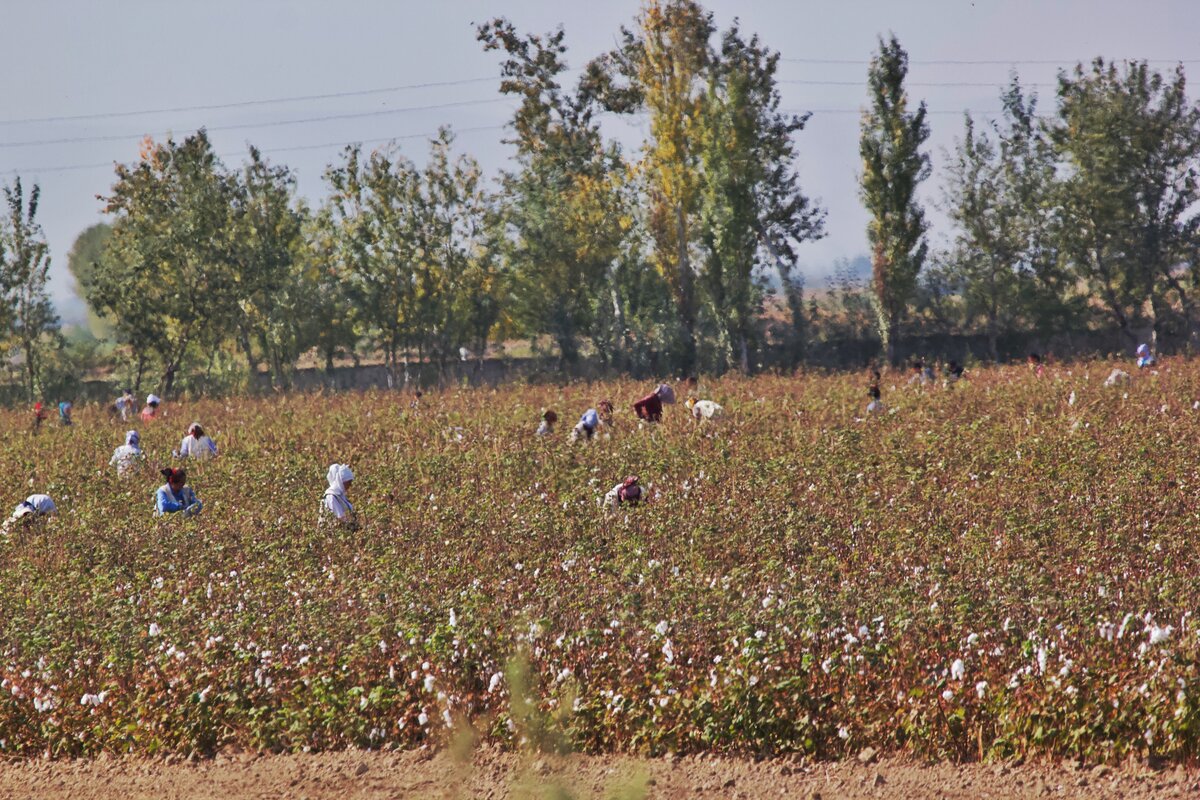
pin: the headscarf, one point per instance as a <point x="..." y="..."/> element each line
<point x="153" y="400"/>
<point x="1143" y="350"/>
<point x="630" y="491"/>
<point x="194" y="430"/>
<point x="173" y="473"/>
<point x="337" y="476"/>
<point x="133" y="440"/>
<point x="665" y="393"/>
<point x="590" y="419"/>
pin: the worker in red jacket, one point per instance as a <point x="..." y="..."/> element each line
<point x="650" y="407"/>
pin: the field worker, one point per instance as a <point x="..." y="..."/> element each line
<point x="547" y="425"/>
<point x="196" y="444"/>
<point x="1035" y="364"/>
<point x="39" y="416"/>
<point x="1144" y="357"/>
<point x="1118" y="377"/>
<point x="150" y="411"/>
<point x="605" y="408"/>
<point x="650" y="407"/>
<point x="627" y="492"/>
<point x="124" y="404"/>
<point x="876" y="405"/>
<point x="335" y="505"/>
<point x="953" y="372"/>
<point x="704" y="409"/>
<point x="126" y="457"/>
<point x="34" y="507"/>
<point x="587" y="425"/>
<point x="175" y="495"/>
<point x="64" y="413"/>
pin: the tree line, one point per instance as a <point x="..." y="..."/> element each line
<point x="676" y="256"/>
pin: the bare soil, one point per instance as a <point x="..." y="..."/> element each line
<point x="493" y="774"/>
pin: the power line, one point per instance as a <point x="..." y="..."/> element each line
<point x="927" y="84"/>
<point x="983" y="62"/>
<point x="274" y="124"/>
<point x="270" y="150"/>
<point x="245" y="103"/>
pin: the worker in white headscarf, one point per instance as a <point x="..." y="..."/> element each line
<point x="126" y="457"/>
<point x="335" y="505"/>
<point x="150" y="410"/>
<point x="705" y="409"/>
<point x="196" y="444"/>
<point x="34" y="507"/>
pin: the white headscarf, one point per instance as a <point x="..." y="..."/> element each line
<point x="133" y="440"/>
<point x="337" y="476"/>
<point x="153" y="399"/>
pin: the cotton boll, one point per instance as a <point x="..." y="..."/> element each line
<point x="958" y="669"/>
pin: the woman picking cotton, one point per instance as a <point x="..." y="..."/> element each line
<point x="28" y="511"/>
<point x="176" y="496"/>
<point x="128" y="456"/>
<point x="196" y="444"/>
<point x="628" y="493"/>
<point x="335" y="505"/>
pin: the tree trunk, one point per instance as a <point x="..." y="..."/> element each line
<point x="687" y="314"/>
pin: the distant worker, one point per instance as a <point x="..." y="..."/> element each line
<point x="605" y="409"/>
<point x="32" y="508"/>
<point x="150" y="410"/>
<point x="876" y="405"/>
<point x="705" y="409"/>
<point x="39" y="416"/>
<point x="587" y="425"/>
<point x="919" y="373"/>
<point x="1035" y="364"/>
<point x="627" y="492"/>
<point x="953" y="372"/>
<point x="124" y="405"/>
<point x="1144" y="357"/>
<point x="650" y="407"/>
<point x="335" y="505"/>
<point x="127" y="457"/>
<point x="546" y="427"/>
<point x="196" y="444"/>
<point x="64" y="413"/>
<point x="175" y="495"/>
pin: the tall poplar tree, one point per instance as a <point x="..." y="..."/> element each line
<point x="893" y="167"/>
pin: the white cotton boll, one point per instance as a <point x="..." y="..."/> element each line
<point x="1158" y="635"/>
<point x="1071" y="399"/>
<point x="972" y="639"/>
<point x="843" y="734"/>
<point x="423" y="718"/>
<point x="947" y="695"/>
<point x="958" y="669"/>
<point x="453" y="619"/>
<point x="981" y="689"/>
<point x="429" y="681"/>
<point x="768" y="601"/>
<point x="668" y="652"/>
<point x="446" y="718"/>
<point x="154" y="629"/>
<point x="1124" y="624"/>
<point x="661" y="628"/>
<point x="494" y="683"/>
<point x="1041" y="660"/>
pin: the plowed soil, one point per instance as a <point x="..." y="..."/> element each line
<point x="492" y="774"/>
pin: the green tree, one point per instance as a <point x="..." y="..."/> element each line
<point x="1130" y="140"/>
<point x="562" y="207"/>
<point x="893" y="167"/>
<point x="24" y="271"/>
<point x="169" y="278"/>
<point x="752" y="211"/>
<point x="82" y="259"/>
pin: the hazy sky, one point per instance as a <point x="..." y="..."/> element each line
<point x="252" y="62"/>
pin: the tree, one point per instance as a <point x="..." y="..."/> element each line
<point x="266" y="238"/>
<point x="82" y="259"/>
<point x="752" y="210"/>
<point x="169" y="277"/>
<point x="24" y="271"/>
<point x="563" y="210"/>
<point x="893" y="167"/>
<point x="1131" y="143"/>
<point x="665" y="63"/>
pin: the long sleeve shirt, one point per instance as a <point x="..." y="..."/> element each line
<point x="125" y="458"/>
<point x="649" y="407"/>
<point x="338" y="507"/>
<point x="191" y="447"/>
<point x="168" y="502"/>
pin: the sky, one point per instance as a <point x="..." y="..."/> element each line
<point x="301" y="79"/>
